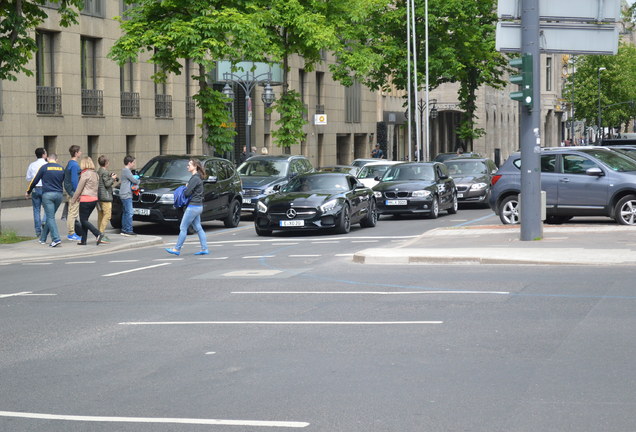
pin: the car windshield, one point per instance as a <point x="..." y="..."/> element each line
<point x="464" y="168"/>
<point x="613" y="160"/>
<point x="317" y="183"/>
<point x="263" y="168"/>
<point x="171" y="169"/>
<point x="409" y="172"/>
<point x="361" y="162"/>
<point x="372" y="171"/>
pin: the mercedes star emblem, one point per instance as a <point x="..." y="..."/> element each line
<point x="291" y="213"/>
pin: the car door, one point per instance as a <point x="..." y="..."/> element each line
<point x="445" y="185"/>
<point x="359" y="198"/>
<point x="550" y="177"/>
<point x="578" y="192"/>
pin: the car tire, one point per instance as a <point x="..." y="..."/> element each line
<point x="371" y="219"/>
<point x="344" y="222"/>
<point x="262" y="232"/>
<point x="434" y="213"/>
<point x="234" y="216"/>
<point x="454" y="206"/>
<point x="509" y="210"/>
<point x="625" y="210"/>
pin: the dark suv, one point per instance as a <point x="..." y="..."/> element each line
<point x="260" y="174"/>
<point x="163" y="174"/>
<point x="578" y="181"/>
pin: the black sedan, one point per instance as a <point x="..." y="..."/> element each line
<point x="317" y="201"/>
<point x="472" y="177"/>
<point x="416" y="188"/>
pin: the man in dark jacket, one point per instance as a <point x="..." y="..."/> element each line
<point x="52" y="176"/>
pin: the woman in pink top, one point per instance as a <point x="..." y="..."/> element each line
<point x="86" y="195"/>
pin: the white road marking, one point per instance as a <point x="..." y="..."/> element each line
<point x="135" y="269"/>
<point x="36" y="263"/>
<point x="123" y="261"/>
<point x="284" y="244"/>
<point x="279" y="322"/>
<point x="364" y="241"/>
<point x="255" y="272"/>
<point x="303" y="256"/>
<point x="39" y="416"/>
<point x="210" y="353"/>
<point x="168" y="259"/>
<point x="80" y="262"/>
<point x="214" y="258"/>
<point x="245" y="245"/>
<point x="344" y="255"/>
<point x="258" y="256"/>
<point x="325" y="242"/>
<point x="373" y="292"/>
<point x="34" y="295"/>
<point x="15" y="294"/>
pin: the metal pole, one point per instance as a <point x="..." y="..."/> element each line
<point x="600" y="131"/>
<point x="428" y="116"/>
<point x="409" y="147"/>
<point x="531" y="224"/>
<point x="418" y="124"/>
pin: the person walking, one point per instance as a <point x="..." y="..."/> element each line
<point x="52" y="176"/>
<point x="71" y="179"/>
<point x="125" y="194"/>
<point x="105" y="195"/>
<point x="192" y="215"/>
<point x="36" y="193"/>
<point x="86" y="198"/>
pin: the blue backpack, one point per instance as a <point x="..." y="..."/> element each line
<point x="180" y="200"/>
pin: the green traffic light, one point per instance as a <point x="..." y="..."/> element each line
<point x="524" y="80"/>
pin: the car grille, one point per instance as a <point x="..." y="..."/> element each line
<point x="249" y="193"/>
<point x="462" y="188"/>
<point x="398" y="194"/>
<point x="280" y="212"/>
<point x="148" y="197"/>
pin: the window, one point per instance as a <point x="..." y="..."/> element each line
<point x="93" y="8"/>
<point x="92" y="98"/>
<point x="48" y="97"/>
<point x="575" y="164"/>
<point x="548" y="163"/>
<point x="548" y="74"/>
<point x="352" y="103"/>
<point x="320" y="109"/>
<point x="163" y="101"/>
<point x="129" y="98"/>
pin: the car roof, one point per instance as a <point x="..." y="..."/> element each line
<point x="386" y="162"/>
<point x="182" y="156"/>
<point x="471" y="159"/>
<point x="276" y="157"/>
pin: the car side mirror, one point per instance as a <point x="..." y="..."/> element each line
<point x="443" y="176"/>
<point x="376" y="178"/>
<point x="211" y="179"/>
<point x="595" y="171"/>
<point x="276" y="187"/>
<point x="359" y="186"/>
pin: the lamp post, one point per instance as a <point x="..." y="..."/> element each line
<point x="432" y="113"/>
<point x="600" y="131"/>
<point x="248" y="82"/>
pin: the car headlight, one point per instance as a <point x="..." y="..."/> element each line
<point x="377" y="194"/>
<point x="421" y="194"/>
<point x="261" y="207"/>
<point x="166" y="199"/>
<point x="478" y="186"/>
<point x="328" y="206"/>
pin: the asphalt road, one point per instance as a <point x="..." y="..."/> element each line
<point x="286" y="333"/>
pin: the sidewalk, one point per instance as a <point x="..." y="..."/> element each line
<point x="20" y="220"/>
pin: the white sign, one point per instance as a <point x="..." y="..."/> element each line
<point x="320" y="119"/>
<point x="565" y="10"/>
<point x="562" y="38"/>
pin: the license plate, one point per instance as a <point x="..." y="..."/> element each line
<point x="396" y="202"/>
<point x="141" y="211"/>
<point x="292" y="223"/>
<point x="460" y="195"/>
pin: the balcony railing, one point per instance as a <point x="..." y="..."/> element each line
<point x="320" y="109"/>
<point x="92" y="102"/>
<point x="129" y="104"/>
<point x="163" y="106"/>
<point x="190" y="107"/>
<point x="48" y="100"/>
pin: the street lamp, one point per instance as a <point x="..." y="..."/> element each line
<point x="432" y="113"/>
<point x="600" y="131"/>
<point x="248" y="82"/>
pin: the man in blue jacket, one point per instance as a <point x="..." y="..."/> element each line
<point x="52" y="176"/>
<point x="71" y="179"/>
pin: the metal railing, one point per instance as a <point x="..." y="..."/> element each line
<point x="163" y="106"/>
<point x="320" y="109"/>
<point x="92" y="102"/>
<point x="129" y="104"/>
<point x="48" y="100"/>
<point x="190" y="107"/>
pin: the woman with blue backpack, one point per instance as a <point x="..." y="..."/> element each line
<point x="192" y="215"/>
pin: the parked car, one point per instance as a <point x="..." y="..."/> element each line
<point x="261" y="174"/>
<point x="358" y="163"/>
<point x="472" y="178"/>
<point x="371" y="173"/>
<point x="347" y="169"/>
<point x="416" y="188"/>
<point x="163" y="174"/>
<point x="578" y="181"/>
<point x="441" y="157"/>
<point x="317" y="201"/>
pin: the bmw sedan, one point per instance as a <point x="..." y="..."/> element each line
<point x="472" y="177"/>
<point x="416" y="188"/>
<point x="317" y="201"/>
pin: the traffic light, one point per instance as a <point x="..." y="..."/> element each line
<point x="524" y="80"/>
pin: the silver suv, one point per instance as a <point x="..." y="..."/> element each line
<point x="578" y="181"/>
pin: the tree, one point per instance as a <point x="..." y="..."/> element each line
<point x="19" y="19"/>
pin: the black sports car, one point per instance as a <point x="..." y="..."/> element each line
<point x="414" y="187"/>
<point x="317" y="201"/>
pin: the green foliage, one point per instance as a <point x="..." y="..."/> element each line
<point x="291" y="122"/>
<point x="217" y="120"/>
<point x="9" y="237"/>
<point x="19" y="20"/>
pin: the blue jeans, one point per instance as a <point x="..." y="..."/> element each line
<point x="127" y="215"/>
<point x="51" y="202"/>
<point x="192" y="216"/>
<point x="36" y="201"/>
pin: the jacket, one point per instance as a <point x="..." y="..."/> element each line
<point x="88" y="185"/>
<point x="105" y="188"/>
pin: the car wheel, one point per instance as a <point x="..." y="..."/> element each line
<point x="262" y="232"/>
<point x="509" y="210"/>
<point x="625" y="210"/>
<point x="344" y="223"/>
<point x="234" y="216"/>
<point x="434" y="208"/>
<point x="371" y="218"/>
<point x="453" y="208"/>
